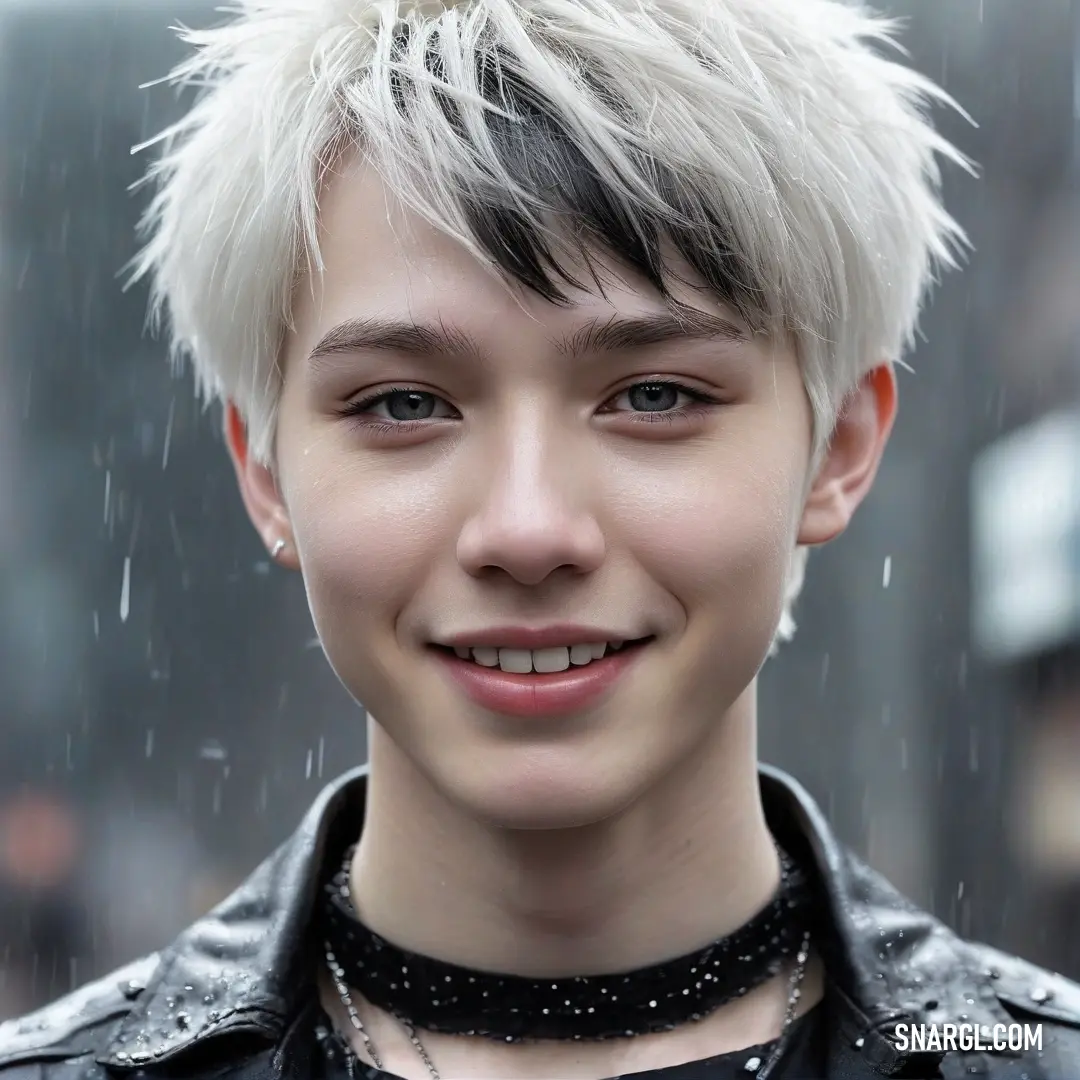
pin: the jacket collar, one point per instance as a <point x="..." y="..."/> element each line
<point x="889" y="962"/>
<point x="237" y="971"/>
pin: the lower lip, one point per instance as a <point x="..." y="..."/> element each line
<point x="556" y="693"/>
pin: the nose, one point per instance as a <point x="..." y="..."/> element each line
<point x="532" y="511"/>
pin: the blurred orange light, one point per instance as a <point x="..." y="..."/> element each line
<point x="38" y="840"/>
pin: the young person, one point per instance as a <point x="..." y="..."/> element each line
<point x="551" y="335"/>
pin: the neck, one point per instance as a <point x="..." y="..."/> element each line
<point x="687" y="862"/>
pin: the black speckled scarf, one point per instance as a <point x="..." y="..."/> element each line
<point x="437" y="996"/>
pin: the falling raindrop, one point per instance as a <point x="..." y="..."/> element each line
<point x="168" y="436"/>
<point x="125" y="590"/>
<point x="213" y="750"/>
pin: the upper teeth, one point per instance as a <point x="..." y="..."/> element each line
<point x="523" y="661"/>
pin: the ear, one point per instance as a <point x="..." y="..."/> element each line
<point x="259" y="490"/>
<point x="850" y="462"/>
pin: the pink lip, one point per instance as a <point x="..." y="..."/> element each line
<point x="555" y="694"/>
<point x="523" y="637"/>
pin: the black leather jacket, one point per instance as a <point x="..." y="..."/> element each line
<point x="220" y="1000"/>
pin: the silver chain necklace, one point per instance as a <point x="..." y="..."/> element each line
<point x="337" y="973"/>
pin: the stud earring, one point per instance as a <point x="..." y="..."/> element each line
<point x="278" y="548"/>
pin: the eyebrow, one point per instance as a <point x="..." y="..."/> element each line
<point x="620" y="333"/>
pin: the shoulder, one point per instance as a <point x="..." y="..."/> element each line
<point x="1025" y="987"/>
<point x="1044" y="1003"/>
<point x="73" y="1029"/>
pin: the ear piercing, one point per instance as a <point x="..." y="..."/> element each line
<point x="278" y="548"/>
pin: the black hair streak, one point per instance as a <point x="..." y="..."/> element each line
<point x="542" y="156"/>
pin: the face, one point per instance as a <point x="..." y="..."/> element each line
<point x="511" y="467"/>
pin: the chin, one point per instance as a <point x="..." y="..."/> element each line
<point x="538" y="816"/>
<point x="543" y="796"/>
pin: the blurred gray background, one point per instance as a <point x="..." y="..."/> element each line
<point x="164" y="720"/>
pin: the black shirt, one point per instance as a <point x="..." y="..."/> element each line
<point x="805" y="1058"/>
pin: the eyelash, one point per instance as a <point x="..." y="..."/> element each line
<point x="355" y="410"/>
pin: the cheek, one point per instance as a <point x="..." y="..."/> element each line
<point x="366" y="539"/>
<point x="716" y="531"/>
<point x="717" y="540"/>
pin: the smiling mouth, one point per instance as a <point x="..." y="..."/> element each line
<point x="537" y="683"/>
<point x="551" y="661"/>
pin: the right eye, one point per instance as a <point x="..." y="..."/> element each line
<point x="400" y="405"/>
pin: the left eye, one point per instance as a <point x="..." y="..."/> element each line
<point x="407" y="405"/>
<point x="657" y="396"/>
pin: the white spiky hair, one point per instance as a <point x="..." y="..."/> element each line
<point x="788" y="159"/>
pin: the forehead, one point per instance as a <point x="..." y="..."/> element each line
<point x="381" y="258"/>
